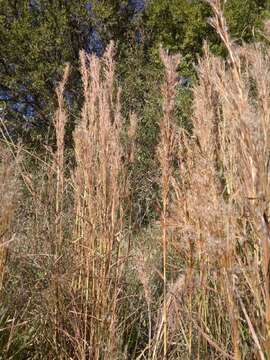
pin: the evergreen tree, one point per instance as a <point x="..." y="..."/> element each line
<point x="39" y="36"/>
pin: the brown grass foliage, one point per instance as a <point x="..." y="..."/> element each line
<point x="193" y="285"/>
<point x="8" y="194"/>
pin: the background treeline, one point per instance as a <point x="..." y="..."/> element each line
<point x="134" y="182"/>
<point x="38" y="37"/>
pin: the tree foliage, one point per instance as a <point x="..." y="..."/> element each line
<point x="39" y="36"/>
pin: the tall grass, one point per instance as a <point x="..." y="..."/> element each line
<point x="219" y="212"/>
<point x="8" y="198"/>
<point x="101" y="190"/>
<point x="194" y="285"/>
<point x="165" y="153"/>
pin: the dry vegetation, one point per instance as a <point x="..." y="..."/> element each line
<point x="78" y="282"/>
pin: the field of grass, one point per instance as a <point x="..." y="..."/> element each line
<point x="81" y="279"/>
